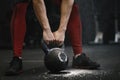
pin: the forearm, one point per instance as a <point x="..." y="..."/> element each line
<point x="40" y="11"/>
<point x="66" y="7"/>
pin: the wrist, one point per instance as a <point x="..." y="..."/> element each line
<point x="46" y="29"/>
<point x="62" y="29"/>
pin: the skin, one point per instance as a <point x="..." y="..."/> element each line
<point x="59" y="35"/>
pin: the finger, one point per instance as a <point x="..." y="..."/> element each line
<point x="59" y="43"/>
<point x="51" y="42"/>
<point x="47" y="42"/>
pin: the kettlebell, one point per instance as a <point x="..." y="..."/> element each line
<point x="55" y="58"/>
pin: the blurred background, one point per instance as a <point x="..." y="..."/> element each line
<point x="100" y="23"/>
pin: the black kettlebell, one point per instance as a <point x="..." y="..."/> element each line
<point x="55" y="58"/>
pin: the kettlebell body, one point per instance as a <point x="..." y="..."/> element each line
<point x="55" y="58"/>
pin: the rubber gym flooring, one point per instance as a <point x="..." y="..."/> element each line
<point x="33" y="65"/>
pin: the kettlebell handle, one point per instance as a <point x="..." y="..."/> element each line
<point x="46" y="48"/>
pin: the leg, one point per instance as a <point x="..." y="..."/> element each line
<point x="75" y="30"/>
<point x="18" y="29"/>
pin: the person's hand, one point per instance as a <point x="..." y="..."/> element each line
<point x="48" y="36"/>
<point x="59" y="37"/>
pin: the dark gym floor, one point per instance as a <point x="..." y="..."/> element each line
<point x="107" y="55"/>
